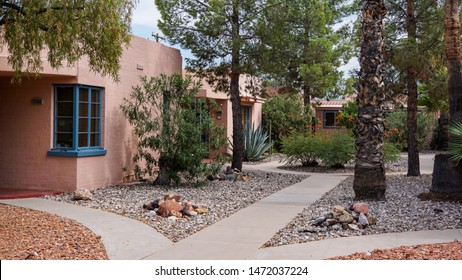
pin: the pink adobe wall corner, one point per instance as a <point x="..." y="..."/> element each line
<point x="144" y="57"/>
<point x="26" y="136"/>
<point x="27" y="130"/>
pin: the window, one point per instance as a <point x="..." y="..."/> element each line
<point x="77" y="121"/>
<point x="246" y="110"/>
<point x="330" y="119"/>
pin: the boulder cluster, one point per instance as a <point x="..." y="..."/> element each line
<point x="357" y="217"/>
<point x="171" y="206"/>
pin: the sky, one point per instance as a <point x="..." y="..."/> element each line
<point x="144" y="24"/>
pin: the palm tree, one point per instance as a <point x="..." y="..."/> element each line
<point x="447" y="175"/>
<point x="369" y="179"/>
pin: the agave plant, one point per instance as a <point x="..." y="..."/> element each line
<point x="255" y="143"/>
<point x="455" y="143"/>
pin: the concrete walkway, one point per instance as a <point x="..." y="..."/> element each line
<point x="241" y="235"/>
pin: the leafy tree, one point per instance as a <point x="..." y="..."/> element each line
<point x="412" y="39"/>
<point x="283" y="115"/>
<point x="66" y="30"/>
<point x="369" y="179"/>
<point x="301" y="49"/>
<point x="221" y="35"/>
<point x="169" y="120"/>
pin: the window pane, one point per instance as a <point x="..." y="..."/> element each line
<point x="83" y="124"/>
<point x="95" y="96"/>
<point x="94" y="125"/>
<point x="83" y="109"/>
<point x="95" y="110"/>
<point x="94" y="140"/>
<point x="83" y="94"/>
<point x="83" y="140"/>
<point x="65" y="93"/>
<point x="65" y="109"/>
<point x="64" y="125"/>
<point x="64" y="140"/>
<point x="330" y="118"/>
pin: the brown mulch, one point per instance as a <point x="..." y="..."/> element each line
<point x="30" y="234"/>
<point x="441" y="251"/>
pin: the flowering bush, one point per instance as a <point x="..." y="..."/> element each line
<point x="396" y="129"/>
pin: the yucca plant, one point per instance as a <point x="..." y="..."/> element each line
<point x="455" y="142"/>
<point x="255" y="143"/>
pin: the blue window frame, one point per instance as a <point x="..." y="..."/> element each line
<point x="330" y="119"/>
<point x="77" y="129"/>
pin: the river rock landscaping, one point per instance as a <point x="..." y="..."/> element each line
<point x="403" y="211"/>
<point x="221" y="198"/>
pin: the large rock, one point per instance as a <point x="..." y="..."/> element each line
<point x="362" y="220"/>
<point x="339" y="210"/>
<point x="165" y="209"/>
<point x="345" y="218"/>
<point x="82" y="194"/>
<point x="361" y="207"/>
<point x="371" y="220"/>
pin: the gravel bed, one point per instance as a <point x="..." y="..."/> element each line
<point x="402" y="211"/>
<point x="222" y="198"/>
<point x="399" y="166"/>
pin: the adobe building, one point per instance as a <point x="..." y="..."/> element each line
<point x="65" y="130"/>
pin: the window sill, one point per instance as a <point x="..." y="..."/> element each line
<point x="79" y="153"/>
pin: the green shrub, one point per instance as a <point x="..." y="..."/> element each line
<point x="337" y="149"/>
<point x="255" y="143"/>
<point x="301" y="148"/>
<point x="169" y="120"/>
<point x="390" y="153"/>
<point x="285" y="115"/>
<point x="455" y="142"/>
<point x="347" y="116"/>
<point x="396" y="128"/>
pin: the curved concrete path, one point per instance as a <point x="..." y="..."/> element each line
<point x="241" y="235"/>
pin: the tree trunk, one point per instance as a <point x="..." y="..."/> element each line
<point x="306" y="97"/>
<point x="369" y="179"/>
<point x="447" y="177"/>
<point x="238" y="131"/>
<point x="413" y="168"/>
<point x="163" y="178"/>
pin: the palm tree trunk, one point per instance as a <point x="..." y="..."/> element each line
<point x="369" y="179"/>
<point x="447" y="177"/>
<point x="412" y="151"/>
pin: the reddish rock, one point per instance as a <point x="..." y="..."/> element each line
<point x="176" y="214"/>
<point x="361" y="207"/>
<point x="165" y="209"/>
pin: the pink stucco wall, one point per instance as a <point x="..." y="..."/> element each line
<point x="26" y="129"/>
<point x="26" y="136"/>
